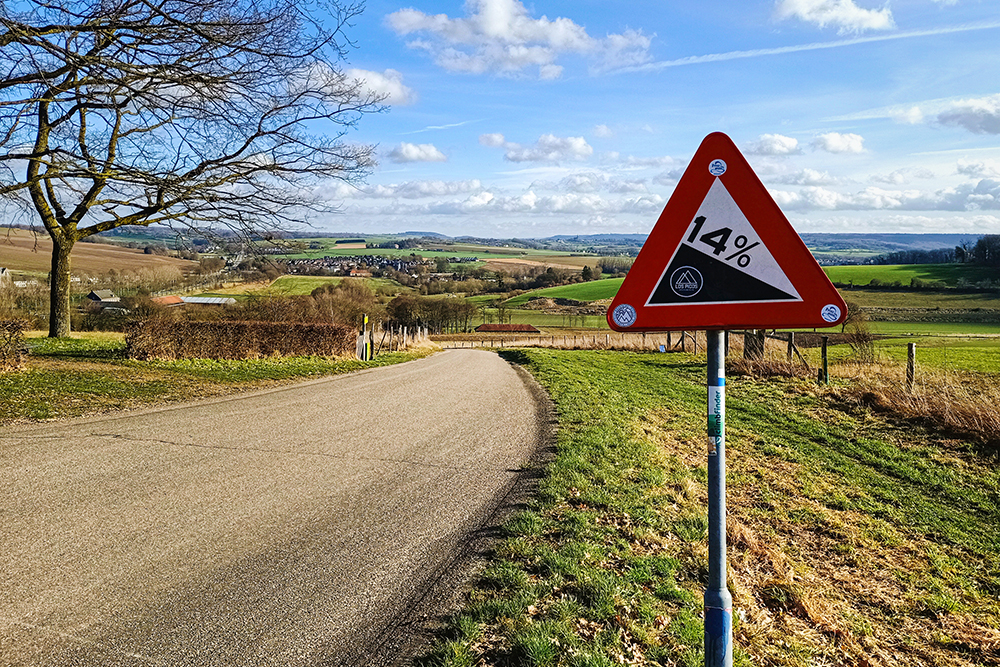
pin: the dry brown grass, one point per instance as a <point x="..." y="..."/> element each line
<point x="11" y="344"/>
<point x="958" y="403"/>
<point x="814" y="585"/>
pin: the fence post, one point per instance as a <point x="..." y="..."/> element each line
<point x="911" y="363"/>
<point x="825" y="372"/>
<point x="684" y="341"/>
<point x="791" y="345"/>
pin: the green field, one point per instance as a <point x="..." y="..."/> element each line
<point x="595" y="290"/>
<point x="934" y="328"/>
<point x="434" y="251"/>
<point x="948" y="274"/>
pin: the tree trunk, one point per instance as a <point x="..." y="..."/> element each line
<point x="59" y="301"/>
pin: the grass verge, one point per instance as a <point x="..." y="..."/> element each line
<point x="89" y="374"/>
<point x="852" y="540"/>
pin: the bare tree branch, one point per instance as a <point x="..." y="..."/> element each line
<point x="203" y="113"/>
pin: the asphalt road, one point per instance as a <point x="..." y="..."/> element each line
<point x="304" y="525"/>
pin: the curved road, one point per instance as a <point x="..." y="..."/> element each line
<point x="295" y="526"/>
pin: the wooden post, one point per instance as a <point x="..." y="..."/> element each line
<point x="825" y="371"/>
<point x="911" y="363"/>
<point x="684" y="341"/>
<point x="791" y="345"/>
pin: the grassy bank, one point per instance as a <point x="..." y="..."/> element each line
<point x="853" y="539"/>
<point x="89" y="374"/>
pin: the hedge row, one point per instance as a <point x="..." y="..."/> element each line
<point x="11" y="344"/>
<point x="166" y="339"/>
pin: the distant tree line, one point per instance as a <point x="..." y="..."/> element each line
<point x="984" y="252"/>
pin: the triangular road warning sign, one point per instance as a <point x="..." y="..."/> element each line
<point x="723" y="256"/>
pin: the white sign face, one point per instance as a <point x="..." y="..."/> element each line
<point x="721" y="259"/>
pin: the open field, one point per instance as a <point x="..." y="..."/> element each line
<point x="948" y="274"/>
<point x="854" y="540"/>
<point x="934" y="328"/>
<point x="23" y="252"/>
<point x="595" y="290"/>
<point x="921" y="299"/>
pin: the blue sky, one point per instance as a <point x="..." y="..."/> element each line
<point x="555" y="117"/>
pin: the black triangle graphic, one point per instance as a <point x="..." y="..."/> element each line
<point x="694" y="277"/>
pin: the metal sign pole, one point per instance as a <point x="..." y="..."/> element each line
<point x="718" y="601"/>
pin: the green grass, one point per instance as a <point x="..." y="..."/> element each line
<point x="921" y="299"/>
<point x="847" y="529"/>
<point x="959" y="354"/>
<point x="948" y="274"/>
<point x="89" y="374"/>
<point x="935" y="328"/>
<point x="302" y="285"/>
<point x="594" y="290"/>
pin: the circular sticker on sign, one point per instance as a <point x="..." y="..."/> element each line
<point x="686" y="281"/>
<point x="717" y="167"/>
<point x="624" y="315"/>
<point x="831" y="313"/>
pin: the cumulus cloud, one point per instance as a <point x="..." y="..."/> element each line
<point x="983" y="169"/>
<point x="983" y="195"/>
<point x="845" y="15"/>
<point x="902" y="176"/>
<point x="806" y="177"/>
<point x="494" y="140"/>
<point x="834" y="142"/>
<point x="774" y="144"/>
<point x="548" y="148"/>
<point x="407" y="152"/>
<point x="603" y="131"/>
<point x="388" y="83"/>
<point x="529" y="203"/>
<point x="500" y="37"/>
<point x="912" y="116"/>
<point x="979" y="116"/>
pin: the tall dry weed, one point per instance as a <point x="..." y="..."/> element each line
<point x="960" y="404"/>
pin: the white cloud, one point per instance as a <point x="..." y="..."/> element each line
<point x="548" y="148"/>
<point x="493" y="140"/>
<point x="500" y="37"/>
<point x="669" y="177"/>
<point x="774" y="144"/>
<point x="389" y="83"/>
<point x="603" y="131"/>
<point x="806" y="177"/>
<point x="984" y="195"/>
<point x="984" y="169"/>
<point x="979" y="116"/>
<point x="845" y="15"/>
<point x="834" y="142"/>
<point x="911" y="116"/>
<point x="407" y="152"/>
<point x="902" y="176"/>
<point x="421" y="189"/>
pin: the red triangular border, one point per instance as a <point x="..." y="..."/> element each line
<point x="770" y="224"/>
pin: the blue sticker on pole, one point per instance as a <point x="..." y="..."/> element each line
<point x="716" y="417"/>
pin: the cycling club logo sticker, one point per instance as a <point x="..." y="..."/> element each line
<point x="624" y="315"/>
<point x="831" y="313"/>
<point x="686" y="281"/>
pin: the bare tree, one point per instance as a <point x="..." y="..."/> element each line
<point x="204" y="114"/>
